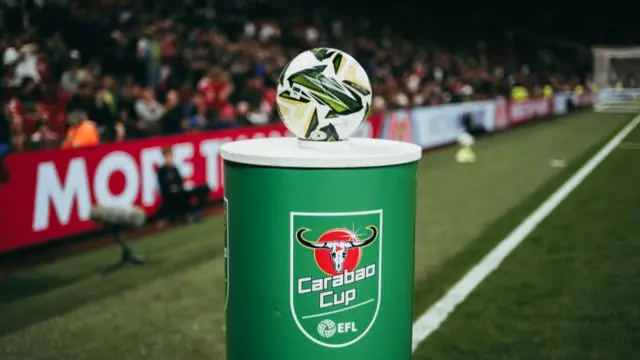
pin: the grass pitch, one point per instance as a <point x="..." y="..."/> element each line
<point x="172" y="308"/>
<point x="571" y="289"/>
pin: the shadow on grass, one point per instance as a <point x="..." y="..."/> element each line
<point x="20" y="286"/>
<point x="35" y="295"/>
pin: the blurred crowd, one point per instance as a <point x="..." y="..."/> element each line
<point x="123" y="69"/>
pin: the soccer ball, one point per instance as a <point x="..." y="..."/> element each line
<point x="465" y="139"/>
<point x="323" y="95"/>
<point x="326" y="328"/>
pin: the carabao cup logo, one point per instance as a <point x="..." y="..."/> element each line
<point x="336" y="272"/>
<point x="337" y="249"/>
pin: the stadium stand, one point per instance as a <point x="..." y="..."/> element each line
<point x="144" y="68"/>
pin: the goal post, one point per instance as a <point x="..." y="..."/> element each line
<point x="617" y="77"/>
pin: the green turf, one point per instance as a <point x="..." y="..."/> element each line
<point x="571" y="290"/>
<point x="172" y="308"/>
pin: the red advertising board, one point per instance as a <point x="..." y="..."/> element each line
<point x="501" y="119"/>
<point x="400" y="126"/>
<point x="370" y="128"/>
<point x="526" y="110"/>
<point x="585" y="99"/>
<point x="48" y="194"/>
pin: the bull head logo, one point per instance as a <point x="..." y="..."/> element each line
<point x="338" y="248"/>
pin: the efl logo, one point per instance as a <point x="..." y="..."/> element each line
<point x="327" y="328"/>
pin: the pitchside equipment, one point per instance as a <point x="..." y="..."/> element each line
<point x="116" y="219"/>
<point x="617" y="76"/>
<point x="319" y="248"/>
<point x="465" y="154"/>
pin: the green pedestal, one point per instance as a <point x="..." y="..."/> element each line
<point x="320" y="249"/>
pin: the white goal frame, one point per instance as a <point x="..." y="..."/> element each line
<point x="609" y="98"/>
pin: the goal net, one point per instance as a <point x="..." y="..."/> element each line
<point x="617" y="77"/>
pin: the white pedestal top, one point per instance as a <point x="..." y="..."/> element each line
<point x="289" y="152"/>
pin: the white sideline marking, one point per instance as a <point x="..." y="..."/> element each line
<point x="431" y="320"/>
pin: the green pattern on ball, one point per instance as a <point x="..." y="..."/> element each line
<point x="326" y="91"/>
<point x="323" y="53"/>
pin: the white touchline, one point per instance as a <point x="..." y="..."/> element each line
<point x="431" y="320"/>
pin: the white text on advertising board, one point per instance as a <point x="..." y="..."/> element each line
<point x="62" y="192"/>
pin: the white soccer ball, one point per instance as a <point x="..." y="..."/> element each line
<point x="323" y="95"/>
<point x="327" y="328"/>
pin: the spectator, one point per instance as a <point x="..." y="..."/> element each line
<point x="216" y="89"/>
<point x="22" y="60"/>
<point x="30" y="94"/>
<point x="127" y="114"/>
<point x="82" y="100"/>
<point x="70" y="80"/>
<point x="105" y="114"/>
<point x="199" y="121"/>
<point x="110" y="88"/>
<point x="226" y="119"/>
<point x="10" y="59"/>
<point x="172" y="118"/>
<point x="378" y="105"/>
<point x="178" y="202"/>
<point x="254" y="92"/>
<point x="259" y="116"/>
<point x="171" y="187"/>
<point x="43" y="138"/>
<point x="82" y="131"/>
<point x="18" y="138"/>
<point x="242" y="113"/>
<point x="120" y="132"/>
<point x="119" y="60"/>
<point x="149" y="111"/>
<point x="194" y="105"/>
<point x="74" y="77"/>
<point x="5" y="133"/>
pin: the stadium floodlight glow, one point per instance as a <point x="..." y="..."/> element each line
<point x="617" y="76"/>
<point x="310" y="222"/>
